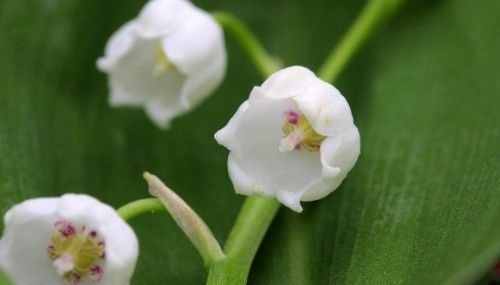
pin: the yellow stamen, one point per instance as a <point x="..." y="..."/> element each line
<point x="163" y="64"/>
<point x="75" y="255"/>
<point x="300" y="134"/>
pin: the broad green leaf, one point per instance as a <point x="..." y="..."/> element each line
<point x="422" y="206"/>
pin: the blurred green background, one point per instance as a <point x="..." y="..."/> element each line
<point x="422" y="206"/>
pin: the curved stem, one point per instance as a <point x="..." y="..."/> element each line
<point x="249" y="43"/>
<point x="139" y="207"/>
<point x="244" y="240"/>
<point x="375" y="13"/>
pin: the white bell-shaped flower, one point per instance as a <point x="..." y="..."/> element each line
<point x="293" y="139"/>
<point x="167" y="60"/>
<point x="74" y="239"/>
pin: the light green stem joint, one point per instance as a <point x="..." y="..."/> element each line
<point x="251" y="225"/>
<point x="139" y="207"/>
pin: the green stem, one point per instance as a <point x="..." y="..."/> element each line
<point x="375" y="13"/>
<point x="139" y="207"/>
<point x="251" y="225"/>
<point x="250" y="44"/>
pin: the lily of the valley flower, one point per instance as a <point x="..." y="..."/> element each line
<point x="294" y="139"/>
<point x="167" y="60"/>
<point x="74" y="239"/>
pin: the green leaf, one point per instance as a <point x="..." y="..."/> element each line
<point x="420" y="207"/>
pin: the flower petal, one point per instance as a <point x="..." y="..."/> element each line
<point x="198" y="43"/>
<point x="325" y="108"/>
<point x="160" y="18"/>
<point x="338" y="156"/>
<point x="118" y="45"/>
<point x="288" y="82"/>
<point x="227" y="135"/>
<point x="23" y="247"/>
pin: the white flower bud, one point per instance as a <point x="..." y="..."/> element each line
<point x="167" y="60"/>
<point x="293" y="139"/>
<point x="74" y="239"/>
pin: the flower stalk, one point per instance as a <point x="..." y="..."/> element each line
<point x="374" y="14"/>
<point x="139" y="207"/>
<point x="264" y="63"/>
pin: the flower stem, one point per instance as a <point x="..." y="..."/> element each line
<point x="139" y="207"/>
<point x="250" y="44"/>
<point x="374" y="14"/>
<point x="251" y="225"/>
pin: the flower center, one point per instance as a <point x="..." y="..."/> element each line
<point x="76" y="253"/>
<point x="163" y="64"/>
<point x="299" y="133"/>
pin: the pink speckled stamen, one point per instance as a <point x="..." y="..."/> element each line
<point x="299" y="133"/>
<point x="77" y="253"/>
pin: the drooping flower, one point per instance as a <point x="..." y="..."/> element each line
<point x="294" y="139"/>
<point x="167" y="60"/>
<point x="74" y="239"/>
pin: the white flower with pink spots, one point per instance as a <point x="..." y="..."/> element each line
<point x="74" y="239"/>
<point x="293" y="139"/>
